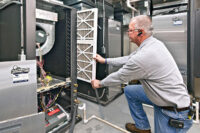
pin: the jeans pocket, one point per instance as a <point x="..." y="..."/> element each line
<point x="170" y="114"/>
<point x="182" y="116"/>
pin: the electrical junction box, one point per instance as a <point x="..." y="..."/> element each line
<point x="56" y="116"/>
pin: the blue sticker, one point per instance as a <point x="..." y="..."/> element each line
<point x="179" y="22"/>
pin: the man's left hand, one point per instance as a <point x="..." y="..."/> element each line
<point x="95" y="84"/>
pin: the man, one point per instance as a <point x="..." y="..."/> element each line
<point x="162" y="84"/>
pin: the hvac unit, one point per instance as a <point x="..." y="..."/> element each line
<point x="49" y="37"/>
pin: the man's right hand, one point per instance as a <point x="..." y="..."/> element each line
<point x="99" y="59"/>
<point x="95" y="84"/>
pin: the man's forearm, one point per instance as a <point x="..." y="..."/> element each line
<point x="111" y="80"/>
<point x="119" y="61"/>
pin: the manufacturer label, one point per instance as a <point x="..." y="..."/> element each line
<point x="61" y="116"/>
<point x="178" y="22"/>
<point x="54" y="111"/>
<point x="18" y="78"/>
<point x="20" y="74"/>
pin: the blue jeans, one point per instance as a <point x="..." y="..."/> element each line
<point x="135" y="96"/>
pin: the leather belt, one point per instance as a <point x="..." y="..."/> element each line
<point x="175" y="109"/>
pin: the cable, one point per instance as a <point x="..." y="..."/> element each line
<point x="41" y="102"/>
<point x="102" y="94"/>
<point x="97" y="95"/>
<point x="71" y="130"/>
<point x="100" y="107"/>
<point x="40" y="63"/>
<point x="55" y="98"/>
<point x="91" y="97"/>
<point x="67" y="107"/>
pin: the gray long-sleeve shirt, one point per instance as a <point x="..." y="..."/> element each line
<point x="157" y="71"/>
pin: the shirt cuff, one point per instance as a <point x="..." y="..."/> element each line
<point x="109" y="61"/>
<point x="101" y="84"/>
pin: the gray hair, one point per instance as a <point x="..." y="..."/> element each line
<point x="143" y="22"/>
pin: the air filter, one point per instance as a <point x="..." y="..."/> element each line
<point x="86" y="44"/>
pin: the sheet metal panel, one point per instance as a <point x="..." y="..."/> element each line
<point x="172" y="30"/>
<point x="18" y="95"/>
<point x="10" y="41"/>
<point x="33" y="123"/>
<point x="114" y="41"/>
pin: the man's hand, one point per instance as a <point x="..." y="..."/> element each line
<point x="95" y="84"/>
<point x="99" y="59"/>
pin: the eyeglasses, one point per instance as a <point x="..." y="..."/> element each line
<point x="132" y="30"/>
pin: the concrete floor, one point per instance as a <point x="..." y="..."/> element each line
<point x="117" y="112"/>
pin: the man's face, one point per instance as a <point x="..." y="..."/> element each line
<point x="132" y="33"/>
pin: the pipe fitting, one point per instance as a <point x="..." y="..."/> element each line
<point x="83" y="107"/>
<point x="130" y="6"/>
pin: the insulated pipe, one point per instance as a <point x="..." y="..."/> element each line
<point x="112" y="125"/>
<point x="22" y="25"/>
<point x="104" y="24"/>
<point x="130" y="6"/>
<point x="9" y="3"/>
<point x="83" y="107"/>
<point x="22" y="55"/>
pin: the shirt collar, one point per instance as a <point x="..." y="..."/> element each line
<point x="144" y="42"/>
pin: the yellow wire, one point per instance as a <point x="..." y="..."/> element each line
<point x="42" y="104"/>
<point x="56" y="97"/>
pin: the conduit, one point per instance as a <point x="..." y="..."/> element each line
<point x="85" y="120"/>
<point x="128" y="2"/>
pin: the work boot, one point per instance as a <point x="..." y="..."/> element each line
<point x="131" y="127"/>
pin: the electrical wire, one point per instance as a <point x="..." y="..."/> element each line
<point x="98" y="101"/>
<point x="102" y="94"/>
<point x="67" y="107"/>
<point x="40" y="63"/>
<point x="71" y="130"/>
<point x="55" y="98"/>
<point x="50" y="103"/>
<point x="40" y="52"/>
